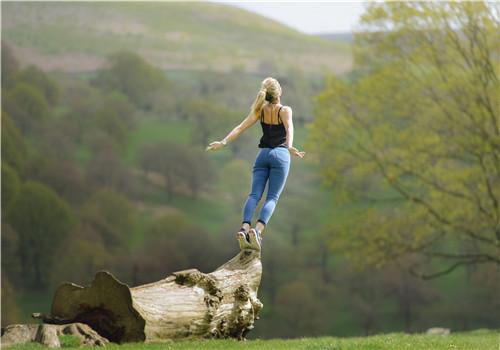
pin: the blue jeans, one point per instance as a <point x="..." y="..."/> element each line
<point x="271" y="165"/>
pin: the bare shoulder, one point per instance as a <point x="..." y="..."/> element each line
<point x="286" y="112"/>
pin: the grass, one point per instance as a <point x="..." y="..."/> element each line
<point x="475" y="340"/>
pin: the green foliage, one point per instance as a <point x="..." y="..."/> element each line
<point x="33" y="76"/>
<point x="208" y="119"/>
<point x="114" y="117"/>
<point x="417" y="126"/>
<point x="27" y="106"/>
<point x="10" y="186"/>
<point x="43" y="221"/>
<point x="234" y="183"/>
<point x="10" y="309"/>
<point x="9" y="64"/>
<point x="112" y="216"/>
<point x="179" y="166"/>
<point x="14" y="150"/>
<point x="178" y="243"/>
<point x="131" y="75"/>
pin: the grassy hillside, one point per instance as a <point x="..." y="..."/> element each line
<point x="484" y="340"/>
<point x="78" y="36"/>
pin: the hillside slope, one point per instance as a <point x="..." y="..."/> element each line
<point x="76" y="37"/>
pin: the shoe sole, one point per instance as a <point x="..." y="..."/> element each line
<point x="243" y="241"/>
<point x="254" y="241"/>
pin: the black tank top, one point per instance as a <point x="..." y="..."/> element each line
<point x="274" y="135"/>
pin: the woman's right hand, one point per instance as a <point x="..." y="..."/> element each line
<point x="214" y="146"/>
<point x="294" y="151"/>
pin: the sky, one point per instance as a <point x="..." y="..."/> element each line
<point x="308" y="17"/>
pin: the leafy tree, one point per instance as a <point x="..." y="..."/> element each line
<point x="417" y="132"/>
<point x="112" y="216"/>
<point x="33" y="76"/>
<point x="106" y="169"/>
<point x="9" y="65"/>
<point x="14" y="149"/>
<point x="42" y="220"/>
<point x="10" y="309"/>
<point x="173" y="243"/>
<point x="115" y="117"/>
<point x="133" y="76"/>
<point x="11" y="264"/>
<point x="63" y="176"/>
<point x="179" y="165"/>
<point x="161" y="157"/>
<point x="27" y="106"/>
<point x="10" y="186"/>
<point x="209" y="120"/>
<point x="196" y="169"/>
<point x="234" y="182"/>
<point x="294" y="300"/>
<point x="80" y="258"/>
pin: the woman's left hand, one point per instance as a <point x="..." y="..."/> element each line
<point x="294" y="151"/>
<point x="214" y="146"/>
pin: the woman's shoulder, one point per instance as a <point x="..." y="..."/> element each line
<point x="285" y="110"/>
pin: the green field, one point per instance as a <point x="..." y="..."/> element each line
<point x="475" y="340"/>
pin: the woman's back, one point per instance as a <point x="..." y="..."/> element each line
<point x="273" y="130"/>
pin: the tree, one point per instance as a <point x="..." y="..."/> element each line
<point x="10" y="310"/>
<point x="9" y="65"/>
<point x="196" y="169"/>
<point x="179" y="165"/>
<point x="112" y="216"/>
<point x="27" y="106"/>
<point x="42" y="220"/>
<point x="235" y="182"/>
<point x="115" y="117"/>
<point x="417" y="133"/>
<point x="172" y="242"/>
<point x="14" y="149"/>
<point x="10" y="186"/>
<point x="208" y="119"/>
<point x="134" y="77"/>
<point x="33" y="76"/>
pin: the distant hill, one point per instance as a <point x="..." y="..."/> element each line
<point x="346" y="37"/>
<point x="77" y="36"/>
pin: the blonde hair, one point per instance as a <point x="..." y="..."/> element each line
<point x="269" y="91"/>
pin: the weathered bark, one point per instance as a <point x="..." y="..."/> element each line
<point x="48" y="334"/>
<point x="188" y="303"/>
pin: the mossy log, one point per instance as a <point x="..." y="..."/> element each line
<point x="187" y="304"/>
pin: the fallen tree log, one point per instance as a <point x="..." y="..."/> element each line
<point x="187" y="304"/>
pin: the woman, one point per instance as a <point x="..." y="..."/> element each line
<point x="273" y="160"/>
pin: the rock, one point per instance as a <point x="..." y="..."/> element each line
<point x="48" y="334"/>
<point x="438" y="331"/>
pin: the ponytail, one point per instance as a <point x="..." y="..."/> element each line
<point x="259" y="102"/>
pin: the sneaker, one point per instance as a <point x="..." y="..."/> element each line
<point x="243" y="239"/>
<point x="255" y="239"/>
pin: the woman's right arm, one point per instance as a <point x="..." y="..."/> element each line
<point x="235" y="133"/>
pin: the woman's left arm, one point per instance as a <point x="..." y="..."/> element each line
<point x="286" y="117"/>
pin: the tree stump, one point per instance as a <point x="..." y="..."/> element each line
<point x="187" y="304"/>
